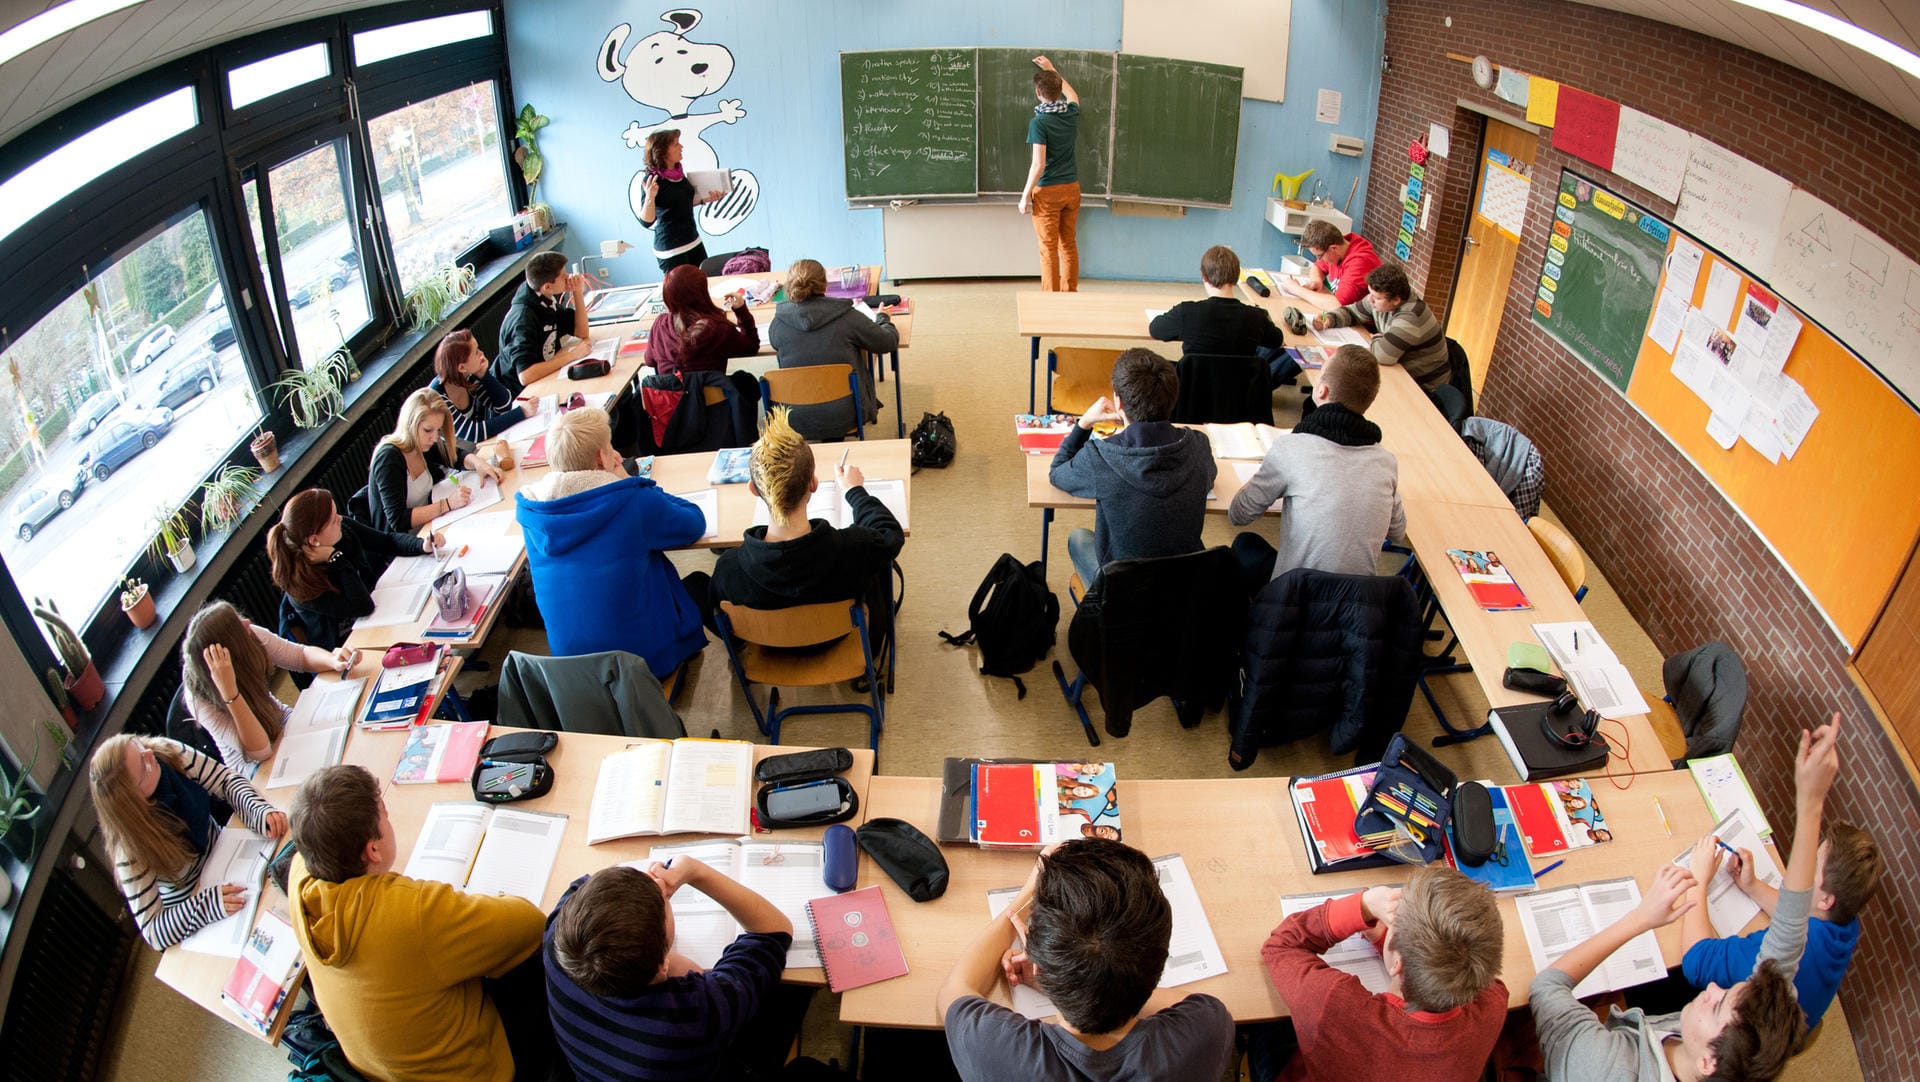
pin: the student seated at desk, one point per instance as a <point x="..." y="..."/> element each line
<point x="1404" y="328"/>
<point x="1744" y="1031"/>
<point x="1341" y="261"/>
<point x="417" y="978"/>
<point x="153" y="797"/>
<point x="1150" y="480"/>
<point x="812" y="328"/>
<point x="482" y="406"/>
<point x="1223" y="324"/>
<point x="626" y="1005"/>
<point x="327" y="563"/>
<point x="1342" y="489"/>
<point x="693" y="334"/>
<point x="225" y="663"/>
<point x="545" y="328"/>
<point x="1096" y="926"/>
<point x="1441" y="941"/>
<point x="419" y="454"/>
<point x="594" y="538"/>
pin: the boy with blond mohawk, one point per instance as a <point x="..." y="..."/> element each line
<point x="1441" y="940"/>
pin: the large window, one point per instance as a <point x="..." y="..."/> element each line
<point x="442" y="174"/>
<point x="117" y="402"/>
<point x="314" y="222"/>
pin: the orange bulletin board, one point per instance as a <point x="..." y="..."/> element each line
<point x="1842" y="511"/>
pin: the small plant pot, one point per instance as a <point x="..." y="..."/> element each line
<point x="87" y="689"/>
<point x="72" y="719"/>
<point x="181" y="558"/>
<point x="266" y="451"/>
<point x="141" y="612"/>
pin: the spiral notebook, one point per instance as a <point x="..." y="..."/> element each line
<point x="855" y="936"/>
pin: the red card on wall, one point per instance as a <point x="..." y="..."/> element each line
<point x="1586" y="126"/>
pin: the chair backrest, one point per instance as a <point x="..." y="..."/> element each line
<point x="712" y="396"/>
<point x="1512" y="459"/>
<point x="715" y="265"/>
<point x="1708" y="686"/>
<point x="801" y="625"/>
<point x="1451" y="404"/>
<point x="1224" y="389"/>
<point x="813" y="384"/>
<point x="1079" y="374"/>
<point x="1563" y="553"/>
<point x="1460" y="372"/>
<point x="611" y="693"/>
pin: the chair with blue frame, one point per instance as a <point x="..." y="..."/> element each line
<point x="812" y="385"/>
<point x="1077" y="376"/>
<point x="803" y="646"/>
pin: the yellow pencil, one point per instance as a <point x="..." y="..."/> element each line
<point x="1663" y="816"/>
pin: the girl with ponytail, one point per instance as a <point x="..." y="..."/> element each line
<point x="327" y="564"/>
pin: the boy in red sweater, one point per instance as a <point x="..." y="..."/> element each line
<point x="1437" y="1021"/>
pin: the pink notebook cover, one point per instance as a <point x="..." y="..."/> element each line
<point x="855" y="935"/>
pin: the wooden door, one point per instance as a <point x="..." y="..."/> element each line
<point x="1888" y="662"/>
<point x="1501" y="194"/>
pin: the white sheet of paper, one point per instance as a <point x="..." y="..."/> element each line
<point x="1354" y="954"/>
<point x="300" y="754"/>
<point x="1193" y="954"/>
<point x="1335" y="337"/>
<point x="1609" y="689"/>
<point x="701" y="928"/>
<point x="326" y="704"/>
<point x="1326" y="106"/>
<point x="1725" y="788"/>
<point x="1727" y="398"/>
<point x="710" y="181"/>
<point x="1154" y="313"/>
<point x="1723" y="289"/>
<point x="708" y="501"/>
<point x="787" y="874"/>
<point x="1027" y="1000"/>
<point x="488" y="554"/>
<point x="411" y="571"/>
<point x="484" y="497"/>
<point x="1668" y="316"/>
<point x="1575" y="644"/>
<point x="395" y="605"/>
<point x="449" y="837"/>
<point x="1683" y="267"/>
<point x="1794" y="414"/>
<point x="516" y="857"/>
<point x="1761" y="432"/>
<point x="237" y="856"/>
<point x="1728" y="907"/>
<point x="1722" y="431"/>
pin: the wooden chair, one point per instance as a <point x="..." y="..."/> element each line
<point x="811" y="385"/>
<point x="804" y="646"/>
<point x="1076" y="376"/>
<point x="1563" y="553"/>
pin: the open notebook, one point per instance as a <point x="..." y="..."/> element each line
<point x="672" y="787"/>
<point x="827" y="502"/>
<point x="484" y="849"/>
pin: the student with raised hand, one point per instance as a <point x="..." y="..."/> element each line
<point x="1222" y="324"/>
<point x="154" y="800"/>
<point x="481" y="404"/>
<point x="1097" y="928"/>
<point x="1441" y="941"/>
<point x="811" y="328"/>
<point x="1341" y="488"/>
<point x="626" y="1005"/>
<point x="1341" y="261"/>
<point x="545" y="328"/>
<point x="1405" y="331"/>
<point x="327" y="564"/>
<point x="419" y="453"/>
<point x="1150" y="480"/>
<point x="226" y="661"/>
<point x="693" y="334"/>
<point x="595" y="537"/>
<point x="1747" y="1030"/>
<point x="400" y="965"/>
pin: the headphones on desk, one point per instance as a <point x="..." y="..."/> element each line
<point x="1569" y="732"/>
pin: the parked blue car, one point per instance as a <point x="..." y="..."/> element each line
<point x="42" y="500"/>
<point x="122" y="437"/>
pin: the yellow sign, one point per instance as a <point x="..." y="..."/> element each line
<point x="1543" y="100"/>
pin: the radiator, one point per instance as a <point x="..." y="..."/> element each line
<point x="64" y="994"/>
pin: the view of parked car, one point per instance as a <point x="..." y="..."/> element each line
<point x="191" y="376"/>
<point x="151" y="345"/>
<point x="41" y="501"/>
<point x="122" y="437"/>
<point x="93" y="411"/>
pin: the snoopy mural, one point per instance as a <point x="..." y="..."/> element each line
<point x="666" y="71"/>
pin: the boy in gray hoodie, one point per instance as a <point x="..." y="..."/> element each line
<point x="1151" y="479"/>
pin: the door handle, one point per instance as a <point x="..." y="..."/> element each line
<point x="1472" y="243"/>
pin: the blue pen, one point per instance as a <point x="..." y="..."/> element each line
<point x="1548" y="868"/>
<point x="502" y="765"/>
<point x="1730" y="850"/>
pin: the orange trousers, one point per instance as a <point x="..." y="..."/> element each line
<point x="1056" y="212"/>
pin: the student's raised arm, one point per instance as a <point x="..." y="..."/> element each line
<point x="1066" y="88"/>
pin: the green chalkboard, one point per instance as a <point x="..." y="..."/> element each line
<point x="908" y="119"/>
<point x="1006" y="107"/>
<point x="1179" y="129"/>
<point x="1599" y="276"/>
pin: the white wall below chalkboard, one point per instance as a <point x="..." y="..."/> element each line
<point x="1249" y="34"/>
<point x="988" y="240"/>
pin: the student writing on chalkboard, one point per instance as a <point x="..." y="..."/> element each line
<point x="1405" y="330"/>
<point x="671" y="198"/>
<point x="1052" y="191"/>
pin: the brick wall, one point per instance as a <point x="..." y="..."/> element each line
<point x="1687" y="565"/>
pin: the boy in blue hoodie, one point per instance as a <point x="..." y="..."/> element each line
<point x="594" y="539"/>
<point x="1151" y="479"/>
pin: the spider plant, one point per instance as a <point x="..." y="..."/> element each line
<point x="435" y="294"/>
<point x="312" y="395"/>
<point x="225" y="498"/>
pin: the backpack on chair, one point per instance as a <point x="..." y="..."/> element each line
<point x="1012" y="619"/>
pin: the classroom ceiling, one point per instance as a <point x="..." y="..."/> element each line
<point x="1861" y="74"/>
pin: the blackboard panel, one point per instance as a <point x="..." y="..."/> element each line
<point x="1006" y="106"/>
<point x="908" y="117"/>
<point x="1178" y="124"/>
<point x="1600" y="275"/>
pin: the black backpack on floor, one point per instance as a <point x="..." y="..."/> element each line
<point x="1012" y="619"/>
<point x="932" y="441"/>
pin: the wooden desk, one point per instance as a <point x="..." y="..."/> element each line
<point x="1243" y="847"/>
<point x="1083" y="315"/>
<point x="200" y="977"/>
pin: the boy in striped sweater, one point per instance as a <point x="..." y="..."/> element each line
<point x="1405" y="330"/>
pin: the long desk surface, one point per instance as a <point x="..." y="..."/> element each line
<point x="1243" y="847"/>
<point x="200" y="977"/>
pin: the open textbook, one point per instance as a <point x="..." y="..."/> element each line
<point x="1556" y="921"/>
<point x="787" y="874"/>
<point x="1244" y="440"/>
<point x="827" y="502"/>
<point x="1599" y="681"/>
<point x="685" y="786"/>
<point x="315" y="736"/>
<point x="237" y="856"/>
<point x="1355" y="954"/>
<point x="483" y="849"/>
<point x="1192" y="955"/>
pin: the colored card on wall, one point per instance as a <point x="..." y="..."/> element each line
<point x="1543" y="100"/>
<point x="1586" y="126"/>
<point x="1513" y="86"/>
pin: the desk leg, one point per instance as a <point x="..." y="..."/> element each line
<point x="1046" y="524"/>
<point x="899" y="417"/>
<point x="1033" y="370"/>
<point x="453" y="700"/>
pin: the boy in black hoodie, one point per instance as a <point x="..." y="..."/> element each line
<point x="1151" y="479"/>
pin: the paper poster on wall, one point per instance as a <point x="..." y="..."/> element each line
<point x="1512" y="86"/>
<point x="1683" y="266"/>
<point x="1668" y="316"/>
<point x="1586" y="125"/>
<point x="1651" y="152"/>
<point x="1733" y="205"/>
<point x="1864" y="291"/>
<point x="1437" y="140"/>
<point x="1326" y="107"/>
<point x="1723" y="289"/>
<point x="1543" y="100"/>
<point x="1503" y="197"/>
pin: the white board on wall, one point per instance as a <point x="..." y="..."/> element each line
<point x="1734" y="205"/>
<point x="1192" y="30"/>
<point x="1859" y="286"/>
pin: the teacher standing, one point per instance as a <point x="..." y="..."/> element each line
<point x="668" y="209"/>
<point x="1052" y="191"/>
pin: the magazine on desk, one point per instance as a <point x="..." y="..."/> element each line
<point x="270" y="967"/>
<point x="684" y="786"/>
<point x="1042" y="433"/>
<point x="785" y="873"/>
<point x="1033" y="805"/>
<point x="400" y="695"/>
<point x="440" y="753"/>
<point x="1488" y="581"/>
<point x="488" y="849"/>
<point x="1556" y="816"/>
<point x="827" y="502"/>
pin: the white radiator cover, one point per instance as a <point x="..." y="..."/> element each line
<point x="979" y="240"/>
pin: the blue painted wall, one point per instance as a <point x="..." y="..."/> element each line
<point x="786" y="78"/>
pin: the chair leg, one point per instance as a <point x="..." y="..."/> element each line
<point x="1074" y="693"/>
<point x="1046" y="528"/>
<point x="454" y="702"/>
<point x="1452" y="735"/>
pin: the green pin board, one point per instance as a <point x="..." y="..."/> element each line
<point x="1600" y="276"/>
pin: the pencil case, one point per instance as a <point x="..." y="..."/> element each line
<point x="590" y="368"/>
<point x="1411" y="797"/>
<point x="800" y="768"/>
<point x="1534" y="682"/>
<point x="527" y="749"/>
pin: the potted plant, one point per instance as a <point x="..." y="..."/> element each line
<point x="18" y="807"/>
<point x="435" y="294"/>
<point x="266" y="449"/>
<point x="312" y="395"/>
<point x="57" y="691"/>
<point x="83" y="681"/>
<point x="224" y="499"/>
<point x="172" y="538"/>
<point x="137" y="602"/>
<point x="526" y="132"/>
